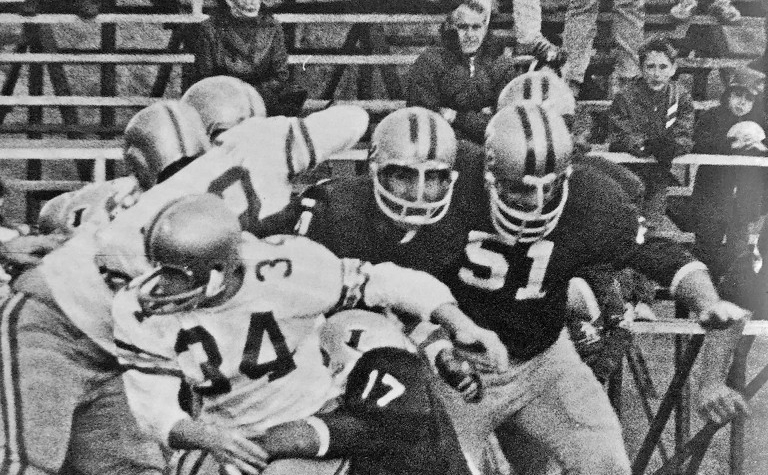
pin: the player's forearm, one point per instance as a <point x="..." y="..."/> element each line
<point x="452" y="318"/>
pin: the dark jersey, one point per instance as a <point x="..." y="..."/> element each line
<point x="519" y="291"/>
<point x="348" y="221"/>
<point x="392" y="421"/>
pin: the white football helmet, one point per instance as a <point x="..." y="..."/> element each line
<point x="745" y="134"/>
<point x="223" y="102"/>
<point x="542" y="87"/>
<point x="194" y="243"/>
<point x="528" y="165"/>
<point x="160" y="135"/>
<point x="347" y="335"/>
<point x="413" y="141"/>
<point x="95" y="204"/>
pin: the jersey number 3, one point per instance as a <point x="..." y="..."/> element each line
<point x="491" y="268"/>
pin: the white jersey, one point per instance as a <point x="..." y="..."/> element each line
<point x="250" y="168"/>
<point x="256" y="358"/>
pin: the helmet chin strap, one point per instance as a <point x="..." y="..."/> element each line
<point x="409" y="235"/>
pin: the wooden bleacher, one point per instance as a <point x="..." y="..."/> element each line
<point x="110" y="56"/>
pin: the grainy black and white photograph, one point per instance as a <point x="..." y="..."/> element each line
<point x="372" y="237"/>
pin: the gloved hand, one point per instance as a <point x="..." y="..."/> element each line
<point x="460" y="375"/>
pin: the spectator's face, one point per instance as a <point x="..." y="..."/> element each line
<point x="657" y="70"/>
<point x="244" y="8"/>
<point x="740" y="102"/>
<point x="471" y="27"/>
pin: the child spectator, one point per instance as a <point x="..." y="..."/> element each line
<point x="242" y="40"/>
<point x="726" y="201"/>
<point x="653" y="117"/>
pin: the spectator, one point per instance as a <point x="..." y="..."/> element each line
<point x="653" y="117"/>
<point x="727" y="201"/>
<point x="723" y="10"/>
<point x="579" y="34"/>
<point x="242" y="40"/>
<point x="460" y="79"/>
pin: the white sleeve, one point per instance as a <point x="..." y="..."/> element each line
<point x="407" y="290"/>
<point x="153" y="399"/>
<point x="332" y="130"/>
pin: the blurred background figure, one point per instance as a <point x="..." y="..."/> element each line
<point x="242" y="40"/>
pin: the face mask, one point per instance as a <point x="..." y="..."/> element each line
<point x="244" y="8"/>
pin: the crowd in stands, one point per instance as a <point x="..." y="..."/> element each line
<point x="510" y="136"/>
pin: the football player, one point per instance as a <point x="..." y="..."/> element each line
<point x="62" y="395"/>
<point x="235" y="317"/>
<point x="57" y="327"/>
<point x="509" y="267"/>
<point x="223" y="102"/>
<point x="390" y="418"/>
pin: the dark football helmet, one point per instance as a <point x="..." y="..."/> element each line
<point x="417" y="142"/>
<point x="528" y="165"/>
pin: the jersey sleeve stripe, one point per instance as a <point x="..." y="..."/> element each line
<point x="154" y="370"/>
<point x="289" y="140"/>
<point x="310" y="144"/>
<point x="135" y="349"/>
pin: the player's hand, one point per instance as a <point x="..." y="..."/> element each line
<point x="233" y="449"/>
<point x="721" y="314"/>
<point x="719" y="404"/>
<point x="479" y="339"/>
<point x="29" y="250"/>
<point x="460" y="375"/>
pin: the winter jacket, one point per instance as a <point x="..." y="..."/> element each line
<point x="443" y="77"/>
<point x="646" y="122"/>
<point x="722" y="194"/>
<point x="252" y="49"/>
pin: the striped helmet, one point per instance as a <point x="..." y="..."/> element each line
<point x="417" y="142"/>
<point x="543" y="87"/>
<point x="528" y="164"/>
<point x="223" y="102"/>
<point x="160" y="135"/>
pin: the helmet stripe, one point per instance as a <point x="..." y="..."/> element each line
<point x="172" y="115"/>
<point x="432" y="154"/>
<point x="527" y="88"/>
<point x="530" y="154"/>
<point x="544" y="88"/>
<point x="413" y="121"/>
<point x="550" y="163"/>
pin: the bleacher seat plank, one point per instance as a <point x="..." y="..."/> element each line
<point x="46" y="185"/>
<point x="96" y="58"/>
<point x="689" y="327"/>
<point x="550" y="16"/>
<point x="56" y="18"/>
<point x="78" y="101"/>
<point x="338" y="59"/>
<point x="60" y="149"/>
